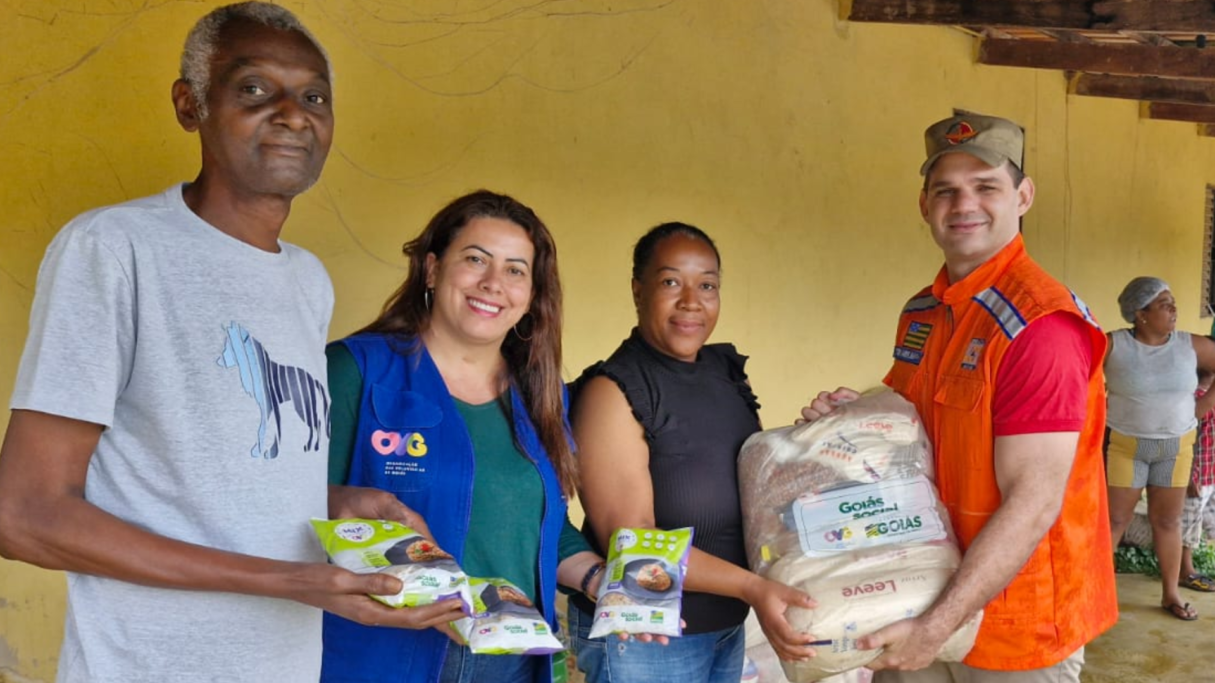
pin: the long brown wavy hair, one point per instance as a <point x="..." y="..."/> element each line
<point x="533" y="350"/>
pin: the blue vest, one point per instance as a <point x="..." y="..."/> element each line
<point x="412" y="442"/>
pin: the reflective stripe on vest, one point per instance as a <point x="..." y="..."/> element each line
<point x="1007" y="316"/>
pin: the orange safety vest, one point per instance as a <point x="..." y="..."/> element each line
<point x="950" y="342"/>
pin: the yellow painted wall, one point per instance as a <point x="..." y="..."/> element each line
<point x="791" y="137"/>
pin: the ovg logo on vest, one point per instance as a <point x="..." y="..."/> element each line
<point x="393" y="443"/>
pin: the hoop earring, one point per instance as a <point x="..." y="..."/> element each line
<point x="426" y="296"/>
<point x="515" y="329"/>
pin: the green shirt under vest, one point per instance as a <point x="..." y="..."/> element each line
<point x="508" y="497"/>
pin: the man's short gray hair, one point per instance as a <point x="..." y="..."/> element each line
<point x="203" y="41"/>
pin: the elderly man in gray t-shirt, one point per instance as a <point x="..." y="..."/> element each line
<point x="169" y="433"/>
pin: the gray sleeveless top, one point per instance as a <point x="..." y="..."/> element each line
<point x="1151" y="388"/>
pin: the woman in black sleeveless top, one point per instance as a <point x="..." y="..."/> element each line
<point x="658" y="427"/>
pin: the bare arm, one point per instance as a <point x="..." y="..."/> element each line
<point x="573" y="568"/>
<point x="1031" y="472"/>
<point x="45" y="520"/>
<point x="1204" y="348"/>
<point x="614" y="458"/>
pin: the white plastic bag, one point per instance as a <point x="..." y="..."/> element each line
<point x="844" y="508"/>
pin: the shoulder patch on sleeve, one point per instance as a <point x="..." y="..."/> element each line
<point x="921" y="302"/>
<point x="1007" y="316"/>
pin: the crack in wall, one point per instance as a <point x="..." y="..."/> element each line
<point x="419" y="180"/>
<point x="364" y="41"/>
<point x="52" y="76"/>
<point x="334" y="207"/>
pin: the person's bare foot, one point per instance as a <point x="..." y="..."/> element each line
<point x="1182" y="611"/>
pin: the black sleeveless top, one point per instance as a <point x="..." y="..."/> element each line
<point x="696" y="417"/>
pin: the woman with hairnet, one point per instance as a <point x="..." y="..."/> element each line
<point x="1151" y="378"/>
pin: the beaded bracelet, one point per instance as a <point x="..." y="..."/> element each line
<point x="590" y="575"/>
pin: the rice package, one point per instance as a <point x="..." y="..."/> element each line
<point x="363" y="546"/>
<point x="845" y="508"/>
<point x="862" y="591"/>
<point x="505" y="622"/>
<point x="642" y="586"/>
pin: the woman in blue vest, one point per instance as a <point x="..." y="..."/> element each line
<point x="452" y="399"/>
<point x="663" y="418"/>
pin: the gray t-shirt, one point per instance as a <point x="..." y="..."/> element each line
<point x="204" y="359"/>
<point x="1150" y="389"/>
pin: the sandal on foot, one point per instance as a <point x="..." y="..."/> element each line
<point x="1198" y="582"/>
<point x="1182" y="612"/>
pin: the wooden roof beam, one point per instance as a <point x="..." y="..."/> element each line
<point x="1067" y="36"/>
<point x="1172" y="111"/>
<point x="1146" y="88"/>
<point x="1150" y="38"/>
<point x="1143" y="60"/>
<point x="1157" y="15"/>
<point x="1028" y="13"/>
<point x="1108" y="15"/>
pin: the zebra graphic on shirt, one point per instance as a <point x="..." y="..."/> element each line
<point x="272" y="385"/>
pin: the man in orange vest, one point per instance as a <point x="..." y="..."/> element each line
<point x="1004" y="365"/>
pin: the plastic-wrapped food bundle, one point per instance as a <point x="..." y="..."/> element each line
<point x="844" y="508"/>
<point x="506" y="621"/>
<point x="876" y="438"/>
<point x="427" y="573"/>
<point x="642" y="586"/>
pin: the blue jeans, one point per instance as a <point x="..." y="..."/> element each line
<point x="715" y="657"/>
<point x="462" y="666"/>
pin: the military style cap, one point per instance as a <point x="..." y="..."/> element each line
<point x="991" y="139"/>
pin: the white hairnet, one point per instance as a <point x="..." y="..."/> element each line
<point x="1138" y="293"/>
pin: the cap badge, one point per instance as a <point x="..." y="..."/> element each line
<point x="960" y="132"/>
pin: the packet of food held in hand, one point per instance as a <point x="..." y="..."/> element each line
<point x="364" y="546"/>
<point x="505" y="622"/>
<point x="642" y="587"/>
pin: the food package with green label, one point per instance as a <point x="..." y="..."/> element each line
<point x="846" y="509"/>
<point x="427" y="573"/>
<point x="505" y="622"/>
<point x="642" y="586"/>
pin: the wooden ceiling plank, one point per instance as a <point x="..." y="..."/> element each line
<point x="1067" y="36"/>
<point x="1150" y="38"/>
<point x="1147" y="88"/>
<point x="1173" y="111"/>
<point x="1128" y="59"/>
<point x="1028" y="13"/>
<point x="1111" y="15"/>
<point x="1155" y="15"/>
<point x="992" y="32"/>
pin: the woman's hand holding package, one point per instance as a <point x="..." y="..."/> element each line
<point x="346" y="502"/>
<point x="650" y="637"/>
<point x="825" y="402"/>
<point x="770" y="599"/>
